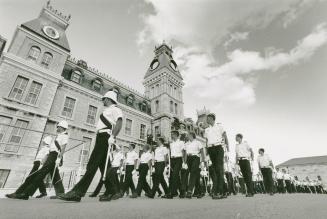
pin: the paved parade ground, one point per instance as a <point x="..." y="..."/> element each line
<point x="261" y="206"/>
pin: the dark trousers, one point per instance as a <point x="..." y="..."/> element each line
<point x="280" y="186"/>
<point x="193" y="163"/>
<point x="142" y="184"/>
<point x="267" y="179"/>
<point x="128" y="183"/>
<point x="47" y="168"/>
<point x="216" y="154"/>
<point x="99" y="186"/>
<point x="97" y="160"/>
<point x="288" y="186"/>
<point x="158" y="178"/>
<point x="29" y="178"/>
<point x="247" y="175"/>
<point x="242" y="185"/>
<point x="230" y="182"/>
<point x="184" y="181"/>
<point x="175" y="169"/>
<point x="113" y="182"/>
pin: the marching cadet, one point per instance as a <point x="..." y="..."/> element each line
<point x="243" y="156"/>
<point x="112" y="173"/>
<point x="193" y="150"/>
<point x="108" y="128"/>
<point x="266" y="166"/>
<point x="130" y="168"/>
<point x="228" y="167"/>
<point x="145" y="165"/>
<point x="54" y="159"/>
<point x="177" y="154"/>
<point x="216" y="139"/>
<point x="280" y="181"/>
<point x="39" y="160"/>
<point x="161" y="161"/>
<point x="287" y="180"/>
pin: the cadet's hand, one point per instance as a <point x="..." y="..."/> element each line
<point x="111" y="140"/>
<point x="184" y="166"/>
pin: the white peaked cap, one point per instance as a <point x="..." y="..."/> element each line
<point x="111" y="95"/>
<point x="63" y="124"/>
<point x="47" y="140"/>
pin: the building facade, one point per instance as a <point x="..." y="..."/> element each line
<point x="41" y="84"/>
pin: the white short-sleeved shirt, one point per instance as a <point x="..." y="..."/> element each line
<point x="264" y="161"/>
<point x="243" y="150"/>
<point x="176" y="148"/>
<point x="279" y="175"/>
<point x="160" y="153"/>
<point x="43" y="152"/>
<point x="131" y="156"/>
<point x="287" y="176"/>
<point x="112" y="114"/>
<point x="146" y="157"/>
<point x="193" y="147"/>
<point x="214" y="135"/>
<point x="117" y="158"/>
<point x="62" y="139"/>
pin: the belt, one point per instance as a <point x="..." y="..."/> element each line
<point x="243" y="158"/>
<point x="193" y="155"/>
<point x="214" y="145"/>
<point x="109" y="131"/>
<point x="176" y="157"/>
<point x="159" y="161"/>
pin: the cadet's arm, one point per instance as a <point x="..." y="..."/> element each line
<point x="117" y="127"/>
<point x="252" y="155"/>
<point x="226" y="141"/>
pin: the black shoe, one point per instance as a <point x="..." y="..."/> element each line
<point x="215" y="197"/>
<point x="10" y="195"/>
<point x="271" y="193"/>
<point x="105" y="198"/>
<point x="149" y="196"/>
<point x="70" y="196"/>
<point x="249" y="195"/>
<point x="116" y="196"/>
<point x="188" y="195"/>
<point x="41" y="195"/>
<point x="21" y="196"/>
<point x="167" y="196"/>
<point x="135" y="195"/>
<point x="54" y="197"/>
<point x="93" y="195"/>
<point x="182" y="196"/>
<point x="200" y="196"/>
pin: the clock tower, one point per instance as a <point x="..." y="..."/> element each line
<point x="163" y="86"/>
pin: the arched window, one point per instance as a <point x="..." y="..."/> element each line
<point x="97" y="84"/>
<point x="46" y="59"/>
<point x="34" y="53"/>
<point x="130" y="100"/>
<point x="76" y="76"/>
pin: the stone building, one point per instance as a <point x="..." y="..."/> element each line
<point x="41" y="84"/>
<point x="306" y="166"/>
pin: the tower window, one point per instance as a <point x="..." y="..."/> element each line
<point x="156" y="107"/>
<point x="171" y="106"/>
<point x="76" y="76"/>
<point x="19" y="88"/>
<point x="176" y="109"/>
<point x="46" y="60"/>
<point x="142" y="131"/>
<point x="34" y="53"/>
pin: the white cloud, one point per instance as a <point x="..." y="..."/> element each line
<point x="235" y="37"/>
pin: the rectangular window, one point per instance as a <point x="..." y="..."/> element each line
<point x="156" y="107"/>
<point x="3" y="177"/>
<point x="142" y="131"/>
<point x="33" y="93"/>
<point x="91" y="115"/>
<point x="3" y="127"/>
<point x="16" y="135"/>
<point x="68" y="107"/>
<point x="171" y="107"/>
<point x="128" y="127"/>
<point x="84" y="153"/>
<point x="176" y="108"/>
<point x="18" y="88"/>
<point x="76" y="76"/>
<point x="156" y="132"/>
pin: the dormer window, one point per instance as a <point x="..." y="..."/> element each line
<point x="46" y="59"/>
<point x="76" y="76"/>
<point x="143" y="106"/>
<point x="97" y="84"/>
<point x="130" y="100"/>
<point x="34" y="53"/>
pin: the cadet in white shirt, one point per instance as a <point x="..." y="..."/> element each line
<point x="243" y="156"/>
<point x="108" y="127"/>
<point x="216" y="143"/>
<point x="177" y="153"/>
<point x="39" y="160"/>
<point x="161" y="160"/>
<point x="131" y="166"/>
<point x="280" y="181"/>
<point x="145" y="165"/>
<point x="57" y="148"/>
<point x="194" y="149"/>
<point x="287" y="179"/>
<point x="265" y="165"/>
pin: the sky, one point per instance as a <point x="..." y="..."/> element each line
<point x="260" y="65"/>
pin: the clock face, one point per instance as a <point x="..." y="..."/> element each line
<point x="154" y="64"/>
<point x="51" y="32"/>
<point x="173" y="65"/>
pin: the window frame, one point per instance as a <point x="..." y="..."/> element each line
<point x="29" y="92"/>
<point x="63" y="106"/>
<point x="10" y="96"/>
<point x="76" y="72"/>
<point x="12" y="144"/>
<point x="144" y="132"/>
<point x="88" y="114"/>
<point x="31" y="56"/>
<point x="46" y="61"/>
<point x="128" y="132"/>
